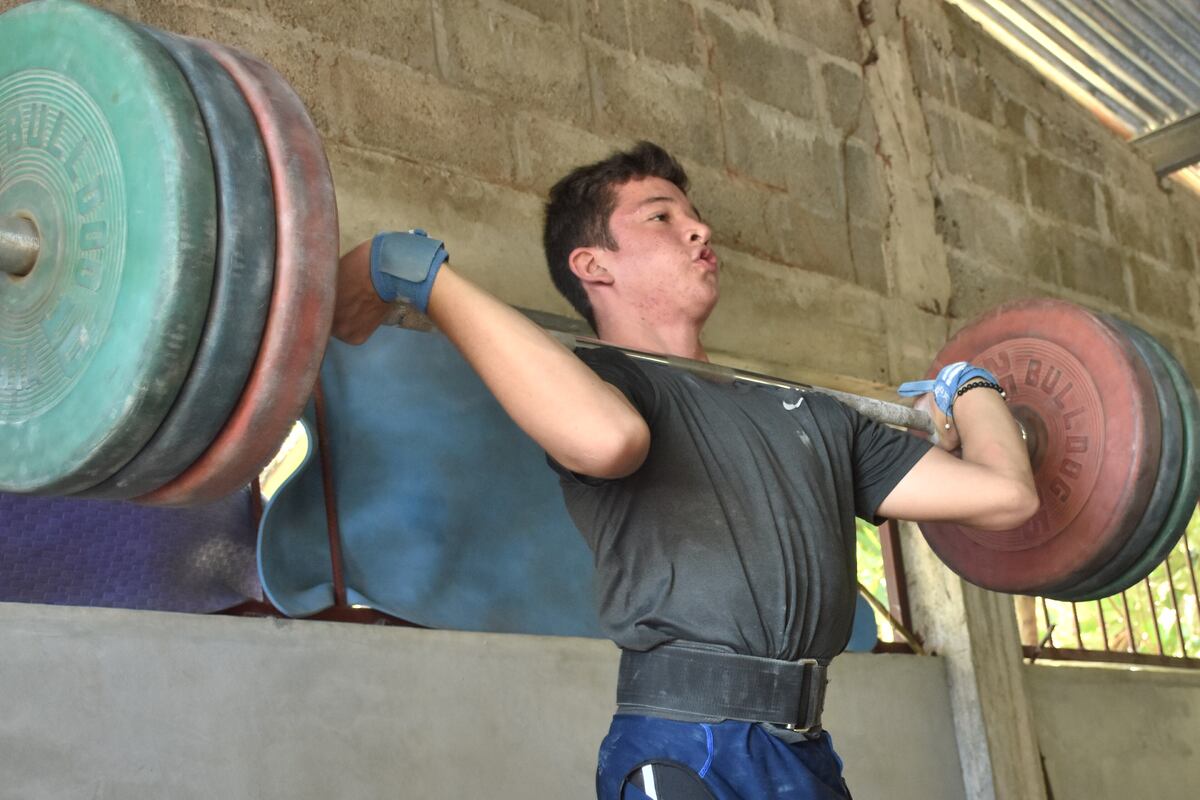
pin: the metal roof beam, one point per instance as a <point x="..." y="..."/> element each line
<point x="1172" y="147"/>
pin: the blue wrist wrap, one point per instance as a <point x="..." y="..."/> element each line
<point x="948" y="381"/>
<point x="403" y="266"/>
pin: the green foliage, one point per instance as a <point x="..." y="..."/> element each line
<point x="871" y="573"/>
<point x="1155" y="610"/>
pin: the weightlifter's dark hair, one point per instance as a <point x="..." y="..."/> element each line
<point x="580" y="204"/>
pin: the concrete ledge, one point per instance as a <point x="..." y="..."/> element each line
<point x="101" y="703"/>
<point x="1117" y="732"/>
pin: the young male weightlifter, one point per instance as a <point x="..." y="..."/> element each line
<point x="721" y="517"/>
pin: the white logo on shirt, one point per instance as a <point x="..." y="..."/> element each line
<point x="794" y="406"/>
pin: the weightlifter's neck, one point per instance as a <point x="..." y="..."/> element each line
<point x="680" y="339"/>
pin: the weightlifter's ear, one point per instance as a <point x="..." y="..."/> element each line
<point x="587" y="268"/>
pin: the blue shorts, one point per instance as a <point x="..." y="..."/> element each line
<point x="649" y="757"/>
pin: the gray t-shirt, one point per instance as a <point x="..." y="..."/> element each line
<point x="738" y="530"/>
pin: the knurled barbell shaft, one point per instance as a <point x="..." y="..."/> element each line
<point x="404" y="316"/>
<point x="19" y="245"/>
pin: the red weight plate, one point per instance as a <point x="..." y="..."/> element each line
<point x="301" y="312"/>
<point x="1089" y="404"/>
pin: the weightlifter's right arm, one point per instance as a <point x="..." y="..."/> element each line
<point x="584" y="423"/>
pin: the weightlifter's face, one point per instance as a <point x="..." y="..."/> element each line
<point x="663" y="266"/>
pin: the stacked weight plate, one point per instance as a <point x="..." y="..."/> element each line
<point x="300" y="311"/>
<point x="172" y="327"/>
<point x="1173" y="499"/>
<point x="1110" y="419"/>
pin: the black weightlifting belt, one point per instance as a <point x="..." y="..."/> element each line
<point x="696" y="680"/>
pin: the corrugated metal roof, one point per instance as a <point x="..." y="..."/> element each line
<point x="1135" y="63"/>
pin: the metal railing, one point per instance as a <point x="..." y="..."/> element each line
<point x="1154" y="623"/>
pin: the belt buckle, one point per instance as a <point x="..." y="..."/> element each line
<point x="811" y="663"/>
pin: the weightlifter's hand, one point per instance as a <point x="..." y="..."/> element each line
<point x="936" y="397"/>
<point x="392" y="266"/>
<point x="944" y="437"/>
<point x="359" y="309"/>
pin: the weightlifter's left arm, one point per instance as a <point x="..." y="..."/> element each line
<point x="991" y="487"/>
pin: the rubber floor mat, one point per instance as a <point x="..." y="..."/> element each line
<point x="69" y="551"/>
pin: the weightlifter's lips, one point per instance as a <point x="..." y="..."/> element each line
<point x="708" y="259"/>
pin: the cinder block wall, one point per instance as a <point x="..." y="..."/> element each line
<point x="876" y="173"/>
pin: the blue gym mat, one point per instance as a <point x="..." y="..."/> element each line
<point x="448" y="514"/>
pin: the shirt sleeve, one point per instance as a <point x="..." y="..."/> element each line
<point x="882" y="456"/>
<point x="621" y="371"/>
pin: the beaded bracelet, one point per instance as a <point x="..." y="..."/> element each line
<point x="976" y="384"/>
<point x="980" y="384"/>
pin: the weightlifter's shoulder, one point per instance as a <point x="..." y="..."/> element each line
<point x="625" y="373"/>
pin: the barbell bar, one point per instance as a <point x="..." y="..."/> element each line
<point x="19" y="245"/>
<point x="569" y="334"/>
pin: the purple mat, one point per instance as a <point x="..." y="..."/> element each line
<point x="67" y="551"/>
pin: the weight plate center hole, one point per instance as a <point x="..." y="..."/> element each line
<point x="1036" y="434"/>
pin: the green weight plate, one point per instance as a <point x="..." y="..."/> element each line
<point x="1184" y="503"/>
<point x="103" y="148"/>
<point x="1170" y="464"/>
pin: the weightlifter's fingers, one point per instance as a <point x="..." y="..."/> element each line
<point x="946" y="433"/>
<point x="358" y="310"/>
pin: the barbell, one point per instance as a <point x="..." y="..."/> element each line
<point x="168" y="244"/>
